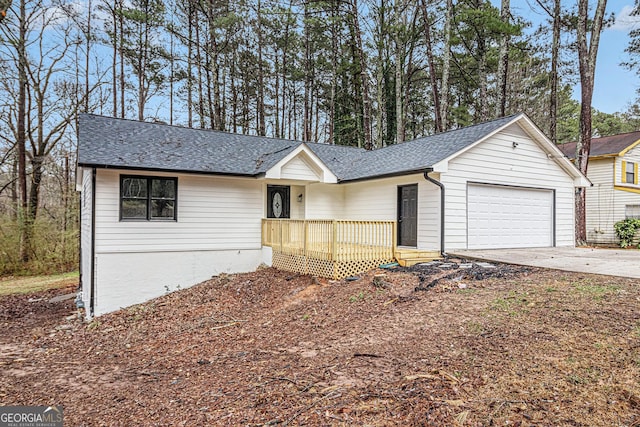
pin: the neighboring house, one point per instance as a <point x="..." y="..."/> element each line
<point x="615" y="194"/>
<point x="165" y="207"/>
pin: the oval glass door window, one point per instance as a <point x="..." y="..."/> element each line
<point x="277" y="205"/>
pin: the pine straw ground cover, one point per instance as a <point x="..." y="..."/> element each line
<point x="504" y="346"/>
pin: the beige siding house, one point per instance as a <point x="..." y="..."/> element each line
<point x="166" y="207"/>
<point x="615" y="194"/>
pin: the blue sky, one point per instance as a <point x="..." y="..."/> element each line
<point x="615" y="87"/>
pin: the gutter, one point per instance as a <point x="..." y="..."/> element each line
<point x="441" y="186"/>
<point x="93" y="243"/>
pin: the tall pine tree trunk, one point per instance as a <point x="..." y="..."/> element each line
<point x="587" y="55"/>
<point x="121" y="52"/>
<point x="399" y="72"/>
<point x="555" y="57"/>
<point x="503" y="62"/>
<point x="446" y="66"/>
<point x="437" y="114"/>
<point x="260" y="110"/>
<point x="366" y="106"/>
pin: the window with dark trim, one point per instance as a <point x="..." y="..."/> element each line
<point x="148" y="198"/>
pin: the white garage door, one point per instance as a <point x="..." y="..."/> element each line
<point x="508" y="217"/>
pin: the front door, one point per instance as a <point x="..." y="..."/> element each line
<point x="278" y="201"/>
<point x="408" y="215"/>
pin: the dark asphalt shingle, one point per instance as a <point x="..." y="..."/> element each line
<point x="110" y="142"/>
<point x="606" y="145"/>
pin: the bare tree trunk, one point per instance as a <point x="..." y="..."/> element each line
<point x="122" y="77"/>
<point x="115" y="61"/>
<point x="437" y="116"/>
<point x="285" y="52"/>
<point x="234" y="95"/>
<point x="587" y="55"/>
<point x="308" y="78"/>
<point x="446" y="66"/>
<point x="25" y="227"/>
<point x="171" y="75"/>
<point x="260" y="110"/>
<point x="86" y="63"/>
<point x="481" y="46"/>
<point x="334" y="73"/>
<point x="366" y="106"/>
<point x="276" y="92"/>
<point x="14" y="189"/>
<point x="399" y="74"/>
<point x="191" y="18"/>
<point x="555" y="57"/>
<point x="503" y="62"/>
<point x="200" y="87"/>
<point x="143" y="36"/>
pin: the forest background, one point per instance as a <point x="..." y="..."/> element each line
<point x="365" y="73"/>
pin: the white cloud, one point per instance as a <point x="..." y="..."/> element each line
<point x="625" y="21"/>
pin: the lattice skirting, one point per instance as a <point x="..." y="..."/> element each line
<point x="323" y="268"/>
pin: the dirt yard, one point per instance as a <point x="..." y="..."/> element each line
<point x="423" y="346"/>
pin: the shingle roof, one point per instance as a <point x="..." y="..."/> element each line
<point x="109" y="142"/>
<point x="606" y="145"/>
<point x="119" y="143"/>
<point x="417" y="154"/>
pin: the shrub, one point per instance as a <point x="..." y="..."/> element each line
<point x="626" y="231"/>
<point x="53" y="250"/>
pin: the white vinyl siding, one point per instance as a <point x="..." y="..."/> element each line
<point x="213" y="213"/>
<point x="377" y="200"/>
<point x="600" y="202"/>
<point x="324" y="201"/>
<point x="496" y="161"/>
<point x="301" y="169"/>
<point x="86" y="259"/>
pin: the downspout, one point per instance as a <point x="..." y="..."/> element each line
<point x="439" y="184"/>
<point x="93" y="242"/>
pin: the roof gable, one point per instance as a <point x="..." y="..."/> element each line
<point x="301" y="164"/>
<point x="521" y="125"/>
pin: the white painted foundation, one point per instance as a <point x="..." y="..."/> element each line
<point x="125" y="279"/>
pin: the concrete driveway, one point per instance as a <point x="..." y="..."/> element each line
<point x="613" y="262"/>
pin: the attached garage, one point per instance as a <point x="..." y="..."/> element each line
<point x="509" y="217"/>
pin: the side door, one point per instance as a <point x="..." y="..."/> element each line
<point x="408" y="215"/>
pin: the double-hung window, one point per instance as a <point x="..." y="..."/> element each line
<point x="629" y="172"/>
<point x="148" y="198"/>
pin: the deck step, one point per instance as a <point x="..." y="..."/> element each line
<point x="413" y="261"/>
<point x="411" y="257"/>
<point x="412" y="254"/>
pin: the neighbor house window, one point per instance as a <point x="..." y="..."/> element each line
<point x="148" y="198"/>
<point x="630" y="176"/>
<point x="632" y="211"/>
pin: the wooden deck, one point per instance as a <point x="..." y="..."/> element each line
<point x="329" y="248"/>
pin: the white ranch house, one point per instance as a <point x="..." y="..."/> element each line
<point x="165" y="207"/>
